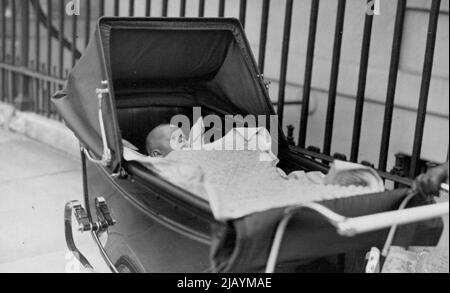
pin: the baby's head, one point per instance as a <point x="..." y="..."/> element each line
<point x="164" y="139"/>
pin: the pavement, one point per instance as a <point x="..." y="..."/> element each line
<point x="35" y="183"/>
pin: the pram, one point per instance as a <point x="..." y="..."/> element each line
<point x="137" y="73"/>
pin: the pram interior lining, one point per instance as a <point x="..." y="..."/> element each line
<point x="138" y="119"/>
<point x="168" y="72"/>
<point x="179" y="60"/>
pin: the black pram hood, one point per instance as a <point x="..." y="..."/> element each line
<point x="155" y="51"/>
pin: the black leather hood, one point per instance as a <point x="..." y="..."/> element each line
<point x="131" y="52"/>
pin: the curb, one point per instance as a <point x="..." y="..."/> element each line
<point x="44" y="130"/>
<point x="6" y="114"/>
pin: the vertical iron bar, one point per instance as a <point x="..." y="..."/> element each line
<point x="148" y="7"/>
<point x="308" y="72"/>
<point x="13" y="49"/>
<point x="61" y="37"/>
<point x="101" y="8"/>
<point x="49" y="54"/>
<point x="38" y="59"/>
<point x="183" y="8"/>
<point x="425" y="86"/>
<point x="201" y="8"/>
<point x="14" y="30"/>
<point x="34" y="89"/>
<point x="3" y="30"/>
<point x="243" y="12"/>
<point x="392" y="84"/>
<point x="338" y="34"/>
<point x="10" y="77"/>
<point x="116" y="7"/>
<point x="3" y="42"/>
<point x="43" y="70"/>
<point x="360" y="96"/>
<point x="131" y="8"/>
<point x="165" y="7"/>
<point x="87" y="24"/>
<point x="221" y="8"/>
<point x="53" y="89"/>
<point x="263" y="37"/>
<point x="23" y="101"/>
<point x="38" y="39"/>
<point x="284" y="60"/>
<point x="74" y="38"/>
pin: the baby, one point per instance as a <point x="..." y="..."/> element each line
<point x="229" y="179"/>
<point x="164" y="139"/>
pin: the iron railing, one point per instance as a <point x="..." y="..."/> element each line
<point x="27" y="80"/>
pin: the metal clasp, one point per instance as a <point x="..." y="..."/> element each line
<point x="84" y="224"/>
<point x="105" y="219"/>
<point x="106" y="157"/>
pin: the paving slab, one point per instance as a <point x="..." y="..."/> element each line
<point x="6" y="136"/>
<point x="22" y="159"/>
<point x="35" y="183"/>
<point x="57" y="262"/>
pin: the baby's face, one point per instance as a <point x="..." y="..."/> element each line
<point x="165" y="139"/>
<point x="177" y="139"/>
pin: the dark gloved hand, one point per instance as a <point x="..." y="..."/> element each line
<point x="429" y="184"/>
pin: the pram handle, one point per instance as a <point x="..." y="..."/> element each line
<point x="354" y="226"/>
<point x="350" y="227"/>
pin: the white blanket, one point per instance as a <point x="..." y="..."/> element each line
<point x="238" y="183"/>
<point x="238" y="176"/>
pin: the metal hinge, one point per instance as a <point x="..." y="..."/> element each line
<point x="105" y="219"/>
<point x="120" y="174"/>
<point x="80" y="215"/>
<point x="103" y="214"/>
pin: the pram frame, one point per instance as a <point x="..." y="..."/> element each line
<point x="119" y="177"/>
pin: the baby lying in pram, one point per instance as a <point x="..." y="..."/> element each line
<point x="244" y="179"/>
<point x="167" y="138"/>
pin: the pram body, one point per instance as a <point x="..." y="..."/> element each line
<point x="137" y="73"/>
